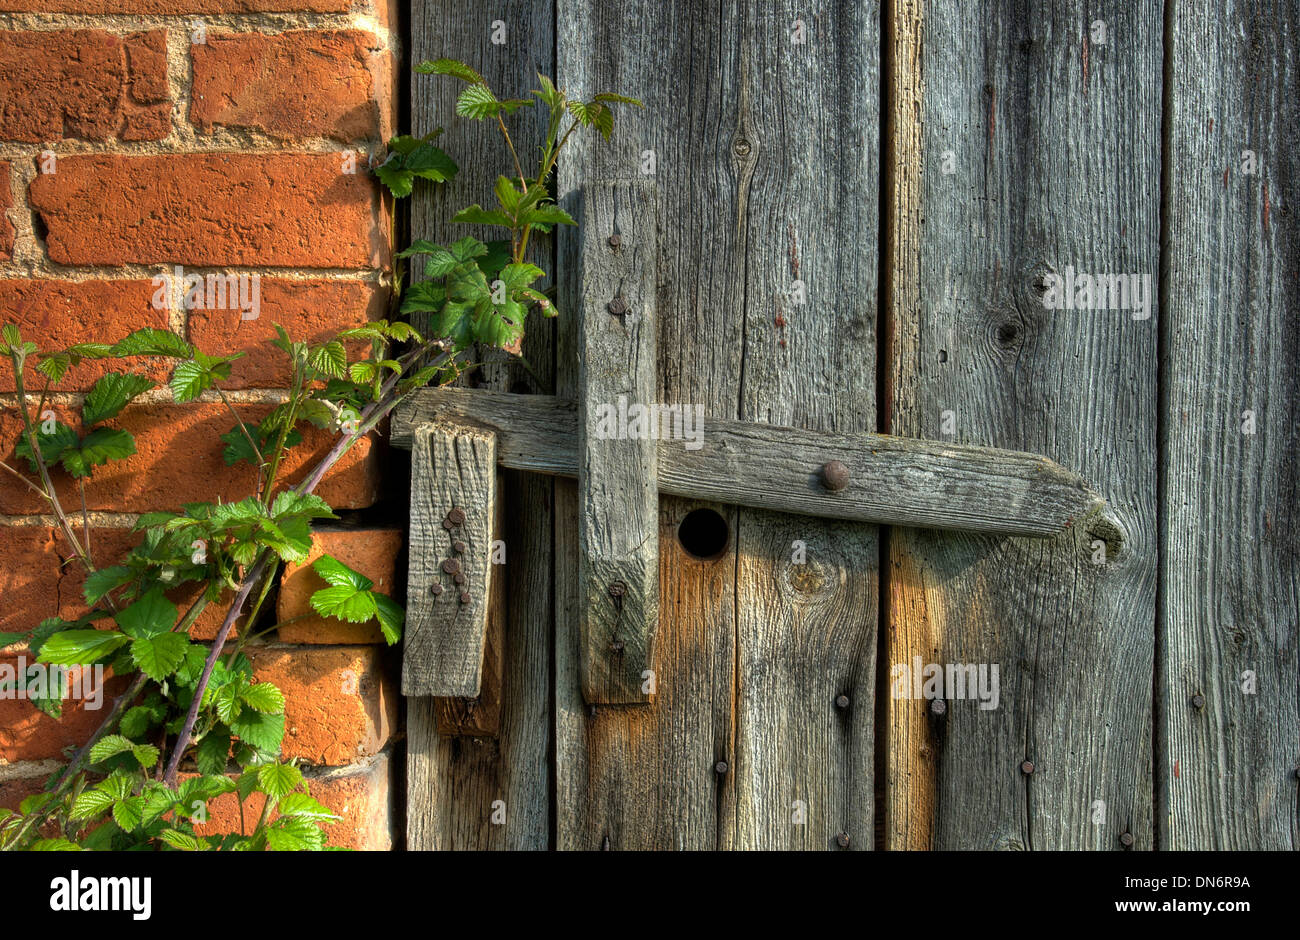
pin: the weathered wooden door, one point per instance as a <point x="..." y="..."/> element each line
<point x="861" y="226"/>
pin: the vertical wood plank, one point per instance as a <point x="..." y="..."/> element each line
<point x="453" y="783"/>
<point x="449" y="584"/>
<point x="807" y="588"/>
<point x="1228" y="705"/>
<point x="618" y="568"/>
<point x="1038" y="151"/>
<point x="724" y="753"/>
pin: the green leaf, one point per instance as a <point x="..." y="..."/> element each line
<point x="105" y="580"/>
<point x="98" y="447"/>
<point x="151" y="615"/>
<point x="477" y="215"/>
<point x="129" y="813"/>
<point x="14" y="339"/>
<point x="137" y="721"/>
<point x="275" y="780"/>
<point x="158" y="657"/>
<point x="399" y="180"/>
<point x="80" y="647"/>
<point x="53" y="445"/>
<point x="421" y="246"/>
<point x="213" y="752"/>
<point x="264" y="697"/>
<point x="431" y="163"/>
<point x="344" y="603"/>
<point x="145" y="754"/>
<point x="545" y="217"/>
<point x="391" y="615"/>
<point x="335" y="573"/>
<point x="90" y="803"/>
<point x="180" y="840"/>
<point x="54" y="366"/>
<point x="300" y="804"/>
<point x="619" y="99"/>
<point x="451" y="67"/>
<point x="153" y="342"/>
<point x="259" y="730"/>
<point x="593" y="114"/>
<point x="109" y="746"/>
<point x="111" y="394"/>
<point x="59" y="844"/>
<point x="158" y="800"/>
<point x="227" y="702"/>
<point x="8" y="639"/>
<point x="330" y="359"/>
<point x="188" y="381"/>
<point x="295" y="834"/>
<point x="477" y="102"/>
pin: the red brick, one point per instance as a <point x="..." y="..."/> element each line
<point x="164" y="7"/>
<point x="57" y="314"/>
<point x="29" y="734"/>
<point x="373" y="552"/>
<point x="84" y="84"/>
<point x="296" y="84"/>
<point x="296" y="210"/>
<point x="340" y="701"/>
<point x="312" y="311"/>
<point x="6" y="227"/>
<point x="21" y="781"/>
<point x="362" y="795"/>
<point x="178" y="460"/>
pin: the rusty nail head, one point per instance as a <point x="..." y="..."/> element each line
<point x="842" y="840"/>
<point x="618" y="306"/>
<point x="458" y="546"/>
<point x="456" y="516"/>
<point x="435" y="589"/>
<point x="615" y="240"/>
<point x="938" y="706"/>
<point x="617" y="589"/>
<point x="465" y="597"/>
<point x="616" y="646"/>
<point x="835" y="475"/>
<point x="1198" y="700"/>
<point x="446" y="524"/>
<point x="1027" y="767"/>
<point x="458" y="577"/>
<point x="451" y="565"/>
<point x="720" y="766"/>
<point x="842" y="701"/>
<point x="1126" y="839"/>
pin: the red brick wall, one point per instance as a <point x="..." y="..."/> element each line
<point x="227" y="155"/>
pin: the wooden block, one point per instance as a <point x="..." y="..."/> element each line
<point x="453" y="513"/>
<point x="618" y="518"/>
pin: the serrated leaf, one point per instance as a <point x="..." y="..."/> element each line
<point x="226" y="702"/>
<point x="158" y="800"/>
<point x="136" y="721"/>
<point x="111" y="394"/>
<point x="334" y="572"/>
<point x="96" y="449"/>
<point x="180" y="840"/>
<point x="59" y="844"/>
<point x="295" y="834"/>
<point x="452" y="67"/>
<point x="149" y="616"/>
<point x="213" y="752"/>
<point x="54" y="366"/>
<point x="146" y="755"/>
<point x="330" y="359"/>
<point x="431" y="163"/>
<point x="105" y="580"/>
<point x="53" y="445"/>
<point x="80" y="647"/>
<point x="477" y="215"/>
<point x="399" y="180"/>
<point x="477" y="102"/>
<point x="391" y="616"/>
<point x="158" y="657"/>
<point x="344" y="603"/>
<point x="90" y="803"/>
<point x="275" y="780"/>
<point x="109" y="746"/>
<point x="188" y="380"/>
<point x="545" y="217"/>
<point x="153" y="342"/>
<point x="259" y="730"/>
<point x="264" y="697"/>
<point x="300" y="804"/>
<point x="129" y="813"/>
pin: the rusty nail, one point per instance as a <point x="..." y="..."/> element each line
<point x="835" y="475"/>
<point x="456" y="515"/>
<point x="435" y="589"/>
<point x="938" y="706"/>
<point x="842" y="701"/>
<point x="720" y="766"/>
<point x="842" y="840"/>
<point x="458" y="577"/>
<point x="446" y="524"/>
<point x="1198" y="700"/>
<point x="1126" y="839"/>
<point x="618" y="306"/>
<point x="616" y="646"/>
<point x="1027" y="767"/>
<point x="451" y="566"/>
<point x="615" y="240"/>
<point x="465" y="597"/>
<point x="617" y="589"/>
<point x="458" y="546"/>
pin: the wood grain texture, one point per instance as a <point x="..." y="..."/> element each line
<point x="618" y="564"/>
<point x="712" y="763"/>
<point x="1231" y="599"/>
<point x="895" y="480"/>
<point x="1021" y="148"/>
<point x="453" y="783"/>
<point x="453" y="470"/>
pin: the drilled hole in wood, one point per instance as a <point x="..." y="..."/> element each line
<point x="703" y="534"/>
